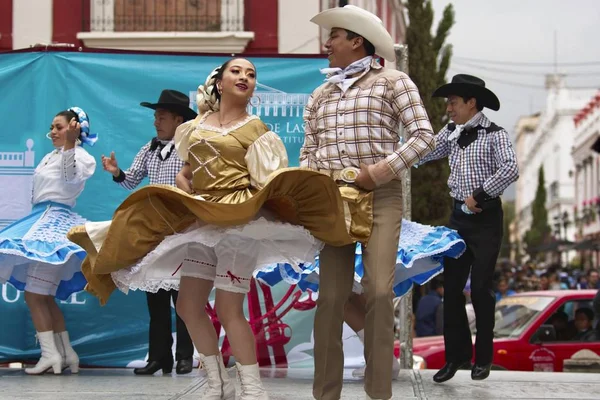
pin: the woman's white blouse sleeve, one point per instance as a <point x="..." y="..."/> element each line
<point x="77" y="165"/>
<point x="182" y="139"/>
<point x="266" y="155"/>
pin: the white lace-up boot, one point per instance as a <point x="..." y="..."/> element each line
<point x="252" y="388"/>
<point x="220" y="386"/>
<point x="50" y="358"/>
<point x="70" y="359"/>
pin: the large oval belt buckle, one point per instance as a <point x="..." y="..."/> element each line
<point x="349" y="174"/>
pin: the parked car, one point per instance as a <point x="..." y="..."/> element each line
<point x="528" y="333"/>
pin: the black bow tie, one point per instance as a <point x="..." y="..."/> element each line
<point x="157" y="144"/>
<point x="468" y="136"/>
<point x="466" y="131"/>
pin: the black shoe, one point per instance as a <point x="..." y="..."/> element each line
<point x="154" y="366"/>
<point x="480" y="372"/>
<point x="449" y="370"/>
<point x="184" y="366"/>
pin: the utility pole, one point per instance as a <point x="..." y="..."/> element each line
<point x="405" y="303"/>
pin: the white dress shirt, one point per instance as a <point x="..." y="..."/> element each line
<point x="60" y="176"/>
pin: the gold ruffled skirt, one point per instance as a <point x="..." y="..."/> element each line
<point x="335" y="215"/>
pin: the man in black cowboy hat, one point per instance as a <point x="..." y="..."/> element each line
<point x="482" y="166"/>
<point x="159" y="161"/>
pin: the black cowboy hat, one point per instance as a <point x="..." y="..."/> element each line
<point x="175" y="101"/>
<point x="469" y="86"/>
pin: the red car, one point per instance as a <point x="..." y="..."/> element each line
<point x="533" y="332"/>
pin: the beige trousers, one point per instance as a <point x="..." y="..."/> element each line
<point x="335" y="287"/>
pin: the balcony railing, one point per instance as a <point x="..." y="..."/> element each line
<point x="208" y="26"/>
<point x="164" y="16"/>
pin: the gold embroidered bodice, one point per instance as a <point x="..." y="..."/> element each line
<point x="229" y="164"/>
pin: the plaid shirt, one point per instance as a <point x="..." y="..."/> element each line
<point x="484" y="169"/>
<point x="361" y="125"/>
<point x="147" y="163"/>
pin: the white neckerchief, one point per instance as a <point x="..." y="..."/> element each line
<point x="472" y="123"/>
<point x="340" y="77"/>
<point x="167" y="145"/>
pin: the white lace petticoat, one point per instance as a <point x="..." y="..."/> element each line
<point x="228" y="256"/>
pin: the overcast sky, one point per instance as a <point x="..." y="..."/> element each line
<point x="522" y="32"/>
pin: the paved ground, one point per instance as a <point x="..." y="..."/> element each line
<point x="96" y="384"/>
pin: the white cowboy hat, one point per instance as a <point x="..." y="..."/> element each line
<point x="362" y="22"/>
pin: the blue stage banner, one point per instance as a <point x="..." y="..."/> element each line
<point x="110" y="87"/>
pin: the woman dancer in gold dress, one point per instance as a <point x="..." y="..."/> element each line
<point x="237" y="208"/>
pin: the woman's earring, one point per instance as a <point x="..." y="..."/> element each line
<point x="49" y="135"/>
<point x="256" y="101"/>
<point x="219" y="89"/>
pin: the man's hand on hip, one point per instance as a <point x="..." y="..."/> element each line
<point x="472" y="205"/>
<point x="364" y="180"/>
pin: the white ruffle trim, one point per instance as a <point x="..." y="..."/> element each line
<point x="52" y="227"/>
<point x="40" y="258"/>
<point x="223" y="131"/>
<point x="260" y="229"/>
<point x="438" y="251"/>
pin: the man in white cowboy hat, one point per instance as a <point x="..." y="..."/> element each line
<point x="159" y="161"/>
<point x="482" y="166"/>
<point x="352" y="122"/>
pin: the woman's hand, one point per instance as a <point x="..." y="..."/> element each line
<point x="73" y="131"/>
<point x="183" y="178"/>
<point x="72" y="134"/>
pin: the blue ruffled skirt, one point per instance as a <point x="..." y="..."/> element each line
<point x="421" y="253"/>
<point x="38" y="244"/>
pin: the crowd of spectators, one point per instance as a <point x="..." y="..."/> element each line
<point x="509" y="279"/>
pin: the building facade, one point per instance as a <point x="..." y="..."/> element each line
<point x="546" y="141"/>
<point x="204" y="26"/>
<point x="586" y="178"/>
<point x="524" y="133"/>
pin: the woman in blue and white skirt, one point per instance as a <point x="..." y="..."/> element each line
<point x="421" y="253"/>
<point x="35" y="254"/>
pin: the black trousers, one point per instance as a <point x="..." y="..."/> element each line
<point x="160" y="336"/>
<point x="483" y="235"/>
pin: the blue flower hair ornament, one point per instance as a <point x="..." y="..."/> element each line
<point x="86" y="136"/>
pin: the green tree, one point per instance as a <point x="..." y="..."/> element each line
<point x="428" y="59"/>
<point x="539" y="231"/>
<point x="509" y="216"/>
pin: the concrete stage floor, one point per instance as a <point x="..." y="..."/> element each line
<point x="294" y="384"/>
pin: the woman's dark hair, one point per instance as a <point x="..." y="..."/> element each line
<point x="69" y="115"/>
<point x="369" y="48"/>
<point x="222" y="69"/>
